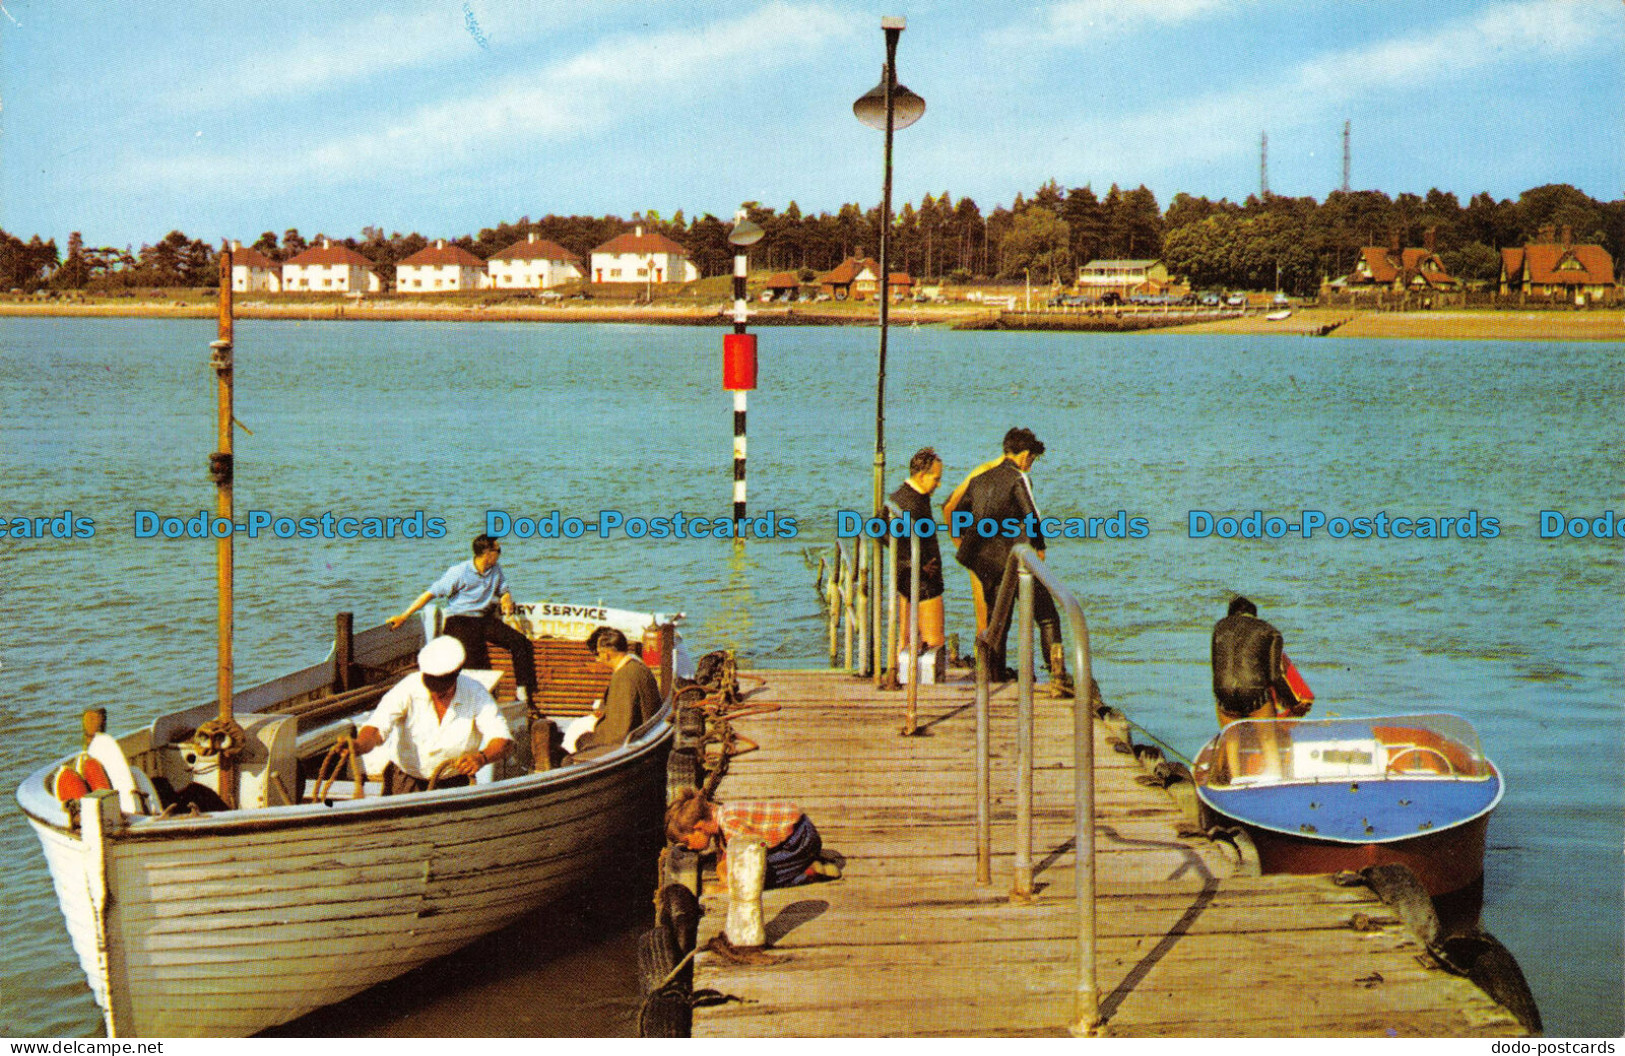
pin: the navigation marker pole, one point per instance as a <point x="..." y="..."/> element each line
<point x="739" y="356"/>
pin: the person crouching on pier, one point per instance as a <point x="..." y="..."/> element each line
<point x="794" y="848"/>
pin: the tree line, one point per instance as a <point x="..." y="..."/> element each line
<point x="1266" y="242"/>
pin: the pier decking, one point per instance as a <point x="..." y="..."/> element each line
<point x="907" y="944"/>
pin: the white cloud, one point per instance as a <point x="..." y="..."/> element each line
<point x="1401" y="71"/>
<point x="1103" y="16"/>
<point x="338" y="54"/>
<point x="573" y="97"/>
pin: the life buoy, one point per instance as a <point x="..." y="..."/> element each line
<point x="78" y="779"/>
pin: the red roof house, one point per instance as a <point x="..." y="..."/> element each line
<point x="858" y="278"/>
<point x="1402" y="269"/>
<point x="1556" y="267"/>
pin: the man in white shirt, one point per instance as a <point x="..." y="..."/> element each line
<point x="444" y="717"/>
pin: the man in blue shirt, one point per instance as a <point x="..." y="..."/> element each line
<point x="475" y="591"/>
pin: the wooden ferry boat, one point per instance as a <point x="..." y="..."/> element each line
<point x="1321" y="796"/>
<point x="230" y="921"/>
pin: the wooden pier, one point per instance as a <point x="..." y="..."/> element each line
<point x="906" y="943"/>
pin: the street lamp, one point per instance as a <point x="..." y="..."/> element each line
<point x="887" y="106"/>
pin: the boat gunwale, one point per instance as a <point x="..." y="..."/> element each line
<point x="140" y="827"/>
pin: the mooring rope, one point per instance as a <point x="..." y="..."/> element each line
<point x="1166" y="747"/>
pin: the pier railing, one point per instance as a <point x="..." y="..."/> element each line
<point x="855" y="609"/>
<point x="846" y="595"/>
<point x="1016" y="591"/>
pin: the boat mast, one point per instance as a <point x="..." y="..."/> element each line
<point x="222" y="736"/>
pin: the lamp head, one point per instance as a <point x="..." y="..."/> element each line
<point x="745" y="233"/>
<point x="870" y="108"/>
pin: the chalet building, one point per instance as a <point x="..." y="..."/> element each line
<point x="327" y="268"/>
<point x="1401" y="270"/>
<point x="1126" y="278"/>
<point x="1557" y="268"/>
<point x="253" y="271"/>
<point x="534" y="264"/>
<point x="440" y="268"/>
<point x="781" y="286"/>
<point x="642" y="258"/>
<point x="858" y="278"/>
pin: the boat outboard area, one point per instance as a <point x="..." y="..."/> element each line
<point x="192" y="917"/>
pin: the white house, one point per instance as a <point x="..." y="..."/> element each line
<point x="638" y="257"/>
<point x="534" y="264"/>
<point x="329" y="269"/>
<point x="1122" y="277"/>
<point x="253" y="272"/>
<point x="440" y="269"/>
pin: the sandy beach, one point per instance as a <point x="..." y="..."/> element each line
<point x="1463" y="325"/>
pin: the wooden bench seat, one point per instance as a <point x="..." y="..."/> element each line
<point x="568" y="679"/>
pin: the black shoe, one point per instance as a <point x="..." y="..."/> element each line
<point x="1061" y="685"/>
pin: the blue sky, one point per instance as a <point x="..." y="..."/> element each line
<point x="224" y="118"/>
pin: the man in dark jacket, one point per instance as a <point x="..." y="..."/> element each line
<point x="1249" y="667"/>
<point x="1002" y="494"/>
<point x="632" y="697"/>
<point x="1250" y="682"/>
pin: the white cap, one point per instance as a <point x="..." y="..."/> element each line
<point x="442" y="656"/>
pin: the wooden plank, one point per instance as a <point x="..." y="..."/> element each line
<point x="907" y="944"/>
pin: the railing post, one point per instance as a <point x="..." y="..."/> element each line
<point x="910" y="723"/>
<point x="1023" y="890"/>
<point x="863" y="593"/>
<point x="1087" y="996"/>
<point x="877" y="614"/>
<point x="984" y="792"/>
<point x="891" y="608"/>
<point x="832" y="591"/>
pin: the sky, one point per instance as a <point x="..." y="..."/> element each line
<point x="223" y="119"/>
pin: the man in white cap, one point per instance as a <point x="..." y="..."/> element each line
<point x="443" y="716"/>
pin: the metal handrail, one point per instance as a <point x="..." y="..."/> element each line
<point x="1027" y="566"/>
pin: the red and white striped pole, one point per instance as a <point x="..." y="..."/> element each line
<point x="739" y="353"/>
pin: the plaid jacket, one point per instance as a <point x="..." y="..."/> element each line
<point x="767" y="820"/>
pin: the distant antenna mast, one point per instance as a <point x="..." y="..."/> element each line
<point x="1345" y="157"/>
<point x="1264" y="167"/>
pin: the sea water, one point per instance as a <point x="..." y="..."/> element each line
<point x="108" y="419"/>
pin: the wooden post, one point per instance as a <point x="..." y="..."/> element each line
<point x="343" y="650"/>
<point x="668" y="658"/>
<point x="221" y="469"/>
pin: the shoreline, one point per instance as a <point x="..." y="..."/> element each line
<point x="1492" y="324"/>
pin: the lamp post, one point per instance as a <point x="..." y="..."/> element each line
<point x="887" y="106"/>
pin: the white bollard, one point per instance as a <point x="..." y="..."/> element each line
<point x="747" y="870"/>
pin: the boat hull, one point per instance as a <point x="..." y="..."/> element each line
<point x="1444" y="862"/>
<point x="226" y="925"/>
<point x="1330" y="795"/>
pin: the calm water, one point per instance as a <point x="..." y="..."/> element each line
<point x="1520" y="635"/>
